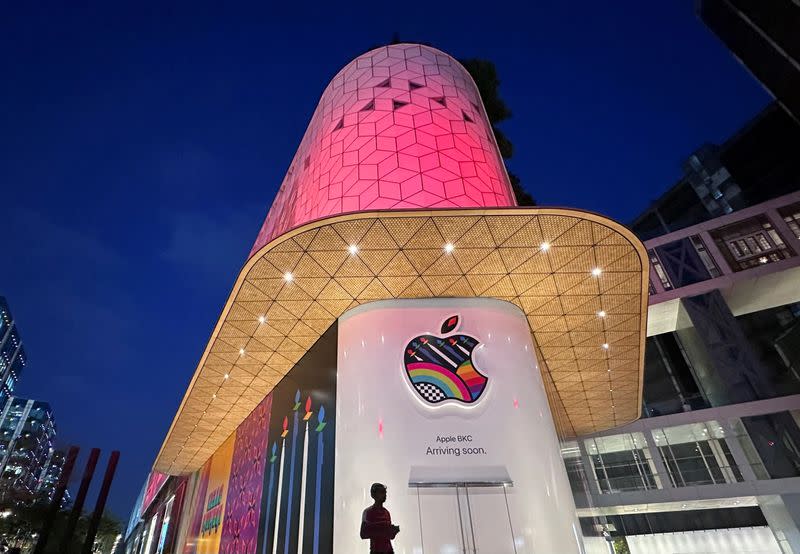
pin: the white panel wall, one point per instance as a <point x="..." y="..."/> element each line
<point x="383" y="430"/>
<point x="744" y="540"/>
<point x="597" y="545"/>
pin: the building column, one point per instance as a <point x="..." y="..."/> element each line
<point x="732" y="371"/>
<point x="716" y="254"/>
<point x="662" y="473"/>
<point x="588" y="471"/>
<point x="782" y="513"/>
<point x="739" y="457"/>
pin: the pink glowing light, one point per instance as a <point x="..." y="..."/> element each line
<point x="380" y="428"/>
<point x="399" y="127"/>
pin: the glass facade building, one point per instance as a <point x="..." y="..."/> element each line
<point x="763" y="37"/>
<point x="29" y="464"/>
<point x="718" y="446"/>
<point x="12" y="353"/>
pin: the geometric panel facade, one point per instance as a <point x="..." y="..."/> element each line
<point x="400" y="127"/>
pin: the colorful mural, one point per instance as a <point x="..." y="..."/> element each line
<point x="297" y="513"/>
<point x="155" y="481"/>
<point x="207" y="512"/>
<point x="299" y="482"/>
<point x="269" y="488"/>
<point x="243" y="505"/>
<point x="441" y="368"/>
<point x="195" y="513"/>
<point x="214" y="508"/>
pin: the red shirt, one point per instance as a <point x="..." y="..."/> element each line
<point x="376" y="525"/>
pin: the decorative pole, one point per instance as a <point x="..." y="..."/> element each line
<point x="273" y="456"/>
<point x="289" y="500"/>
<point x="303" y="479"/>
<point x="318" y="488"/>
<point x="280" y="487"/>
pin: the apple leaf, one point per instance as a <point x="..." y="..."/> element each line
<point x="450" y="324"/>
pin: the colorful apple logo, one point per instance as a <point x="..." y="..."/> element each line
<point x="441" y="368"/>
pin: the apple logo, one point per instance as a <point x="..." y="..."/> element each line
<point x="441" y="368"/>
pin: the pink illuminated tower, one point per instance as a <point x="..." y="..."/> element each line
<point x="399" y="127"/>
<point x="396" y="215"/>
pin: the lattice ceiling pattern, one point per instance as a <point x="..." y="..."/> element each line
<point x="402" y="126"/>
<point x="579" y="278"/>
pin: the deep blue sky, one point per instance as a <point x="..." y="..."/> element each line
<point x="140" y="149"/>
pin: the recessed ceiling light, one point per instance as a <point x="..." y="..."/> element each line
<point x="449" y="247"/>
<point x="353" y="249"/>
<point x="241" y="351"/>
<point x="226" y="376"/>
<point x="601" y="313"/>
<point x="605" y="346"/>
<point x="262" y="319"/>
<point x="544" y="247"/>
<point x="288" y="277"/>
<point x="596" y="272"/>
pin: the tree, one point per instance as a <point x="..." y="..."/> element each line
<point x="484" y="73"/>
<point x="20" y="525"/>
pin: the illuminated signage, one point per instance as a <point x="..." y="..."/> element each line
<point x="441" y="368"/>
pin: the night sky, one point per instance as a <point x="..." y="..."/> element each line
<point x="140" y="149"/>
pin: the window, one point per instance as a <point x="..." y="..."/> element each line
<point x="705" y="257"/>
<point x="772" y="444"/>
<point x="575" y="470"/>
<point x="751" y="243"/>
<point x="659" y="269"/>
<point x="622" y="463"/>
<point x="696" y="454"/>
<point x="791" y="215"/>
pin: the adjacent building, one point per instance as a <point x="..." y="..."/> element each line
<point x="716" y="455"/>
<point x="30" y="465"/>
<point x="763" y="36"/>
<point x="12" y="353"/>
<point x="756" y="164"/>
<point x="51" y="473"/>
<point x="714" y="463"/>
<point x="27" y="432"/>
